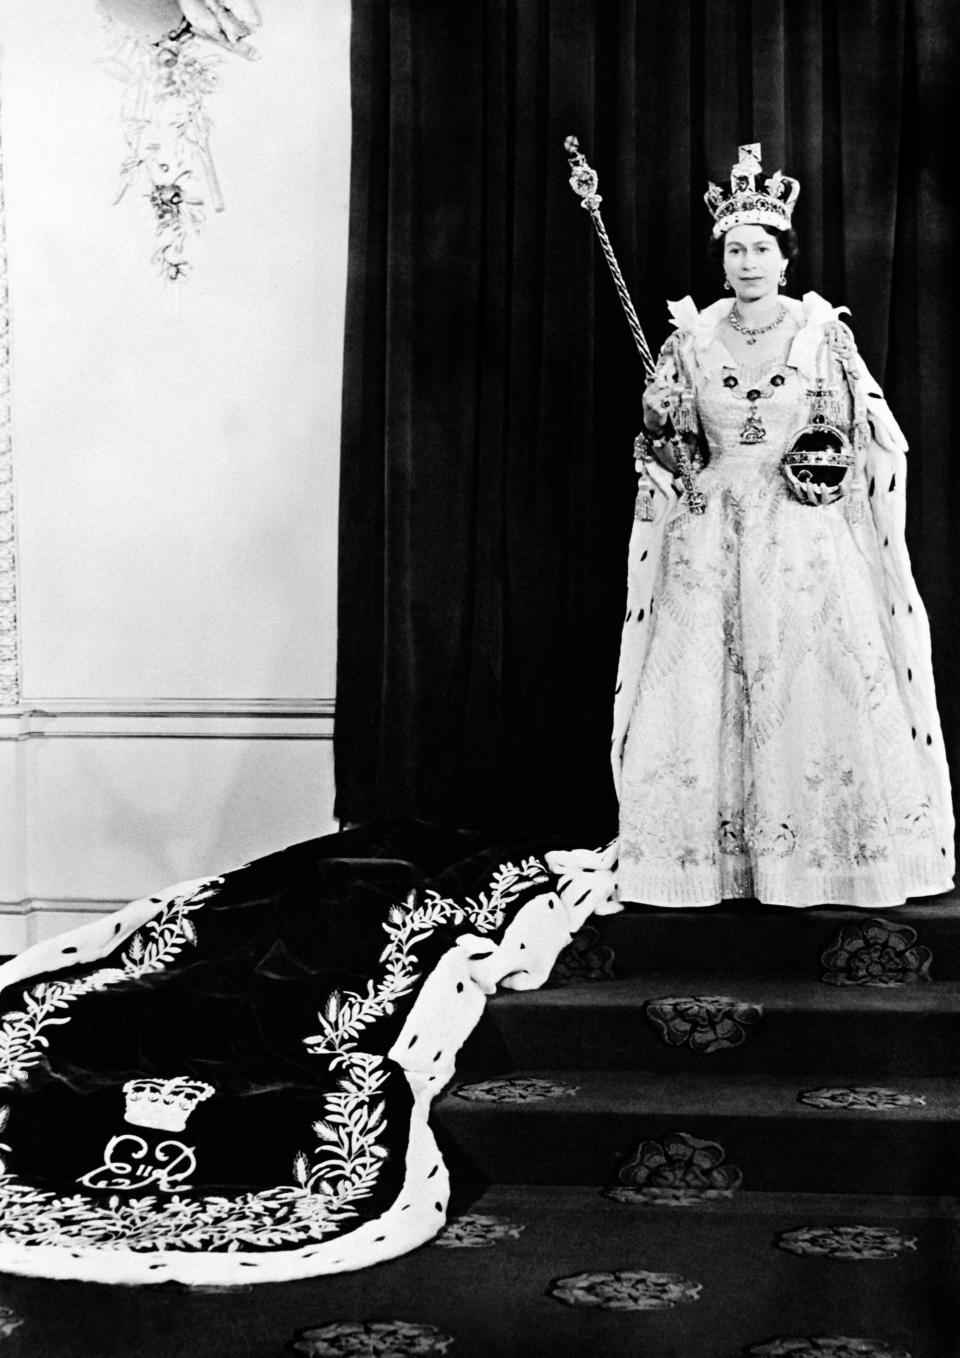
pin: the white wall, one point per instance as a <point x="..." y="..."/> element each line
<point x="175" y="452"/>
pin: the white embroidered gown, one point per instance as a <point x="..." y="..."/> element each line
<point x="770" y="752"/>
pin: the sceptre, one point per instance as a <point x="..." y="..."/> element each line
<point x="584" y="182"/>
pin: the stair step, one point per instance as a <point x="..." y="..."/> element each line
<point x="779" y="1143"/>
<point x="605" y="1024"/>
<point x="763" y="940"/>
<point x="752" y="1291"/>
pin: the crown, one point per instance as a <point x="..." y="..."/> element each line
<point x="164" y="1104"/>
<point x="746" y="203"/>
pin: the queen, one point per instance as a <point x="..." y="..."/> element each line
<point x="776" y="733"/>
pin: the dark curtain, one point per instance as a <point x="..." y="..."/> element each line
<point x="491" y="387"/>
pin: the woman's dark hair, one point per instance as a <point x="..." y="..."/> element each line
<point x="787" y="240"/>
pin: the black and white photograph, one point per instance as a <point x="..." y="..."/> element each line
<point x="479" y="578"/>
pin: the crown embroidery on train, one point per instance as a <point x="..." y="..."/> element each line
<point x="163" y="1104"/>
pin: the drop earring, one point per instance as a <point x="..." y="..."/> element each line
<point x="726" y="284"/>
<point x="783" y="278"/>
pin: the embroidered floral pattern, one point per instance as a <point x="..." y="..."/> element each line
<point x="681" y="1162"/>
<point x="476" y="1231"/>
<point x="330" y="1181"/>
<point x="635" y="1290"/>
<point x="346" y="1014"/>
<point x="824" y="1346"/>
<point x="514" y="1089"/>
<point x="860" y="1098"/>
<point x="846" y="1242"/>
<point x="371" y="1339"/>
<point x="152" y="948"/>
<point x="876" y="953"/>
<point x="585" y="958"/>
<point x="704" y="1023"/>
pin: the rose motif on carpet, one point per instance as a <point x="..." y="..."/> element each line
<point x="514" y="1090"/>
<point x="626" y="1290"/>
<point x="667" y="1197"/>
<point x="860" y="1098"/>
<point x="876" y="953"/>
<point x="477" y="1231"/>
<point x="585" y="958"/>
<point x="846" y="1242"/>
<point x="376" y="1338"/>
<point x="704" y="1023"/>
<point x="824" y="1346"/>
<point x="682" y="1170"/>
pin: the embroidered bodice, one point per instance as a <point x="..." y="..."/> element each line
<point x="751" y="410"/>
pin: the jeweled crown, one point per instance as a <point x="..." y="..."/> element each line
<point x="163" y="1104"/>
<point x="748" y="202"/>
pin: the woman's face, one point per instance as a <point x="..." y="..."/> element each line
<point x="752" y="262"/>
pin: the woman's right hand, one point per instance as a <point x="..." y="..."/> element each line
<point x="660" y="400"/>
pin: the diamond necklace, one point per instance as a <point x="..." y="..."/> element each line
<point x="750" y="334"/>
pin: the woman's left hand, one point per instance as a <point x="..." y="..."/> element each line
<point x="815" y="493"/>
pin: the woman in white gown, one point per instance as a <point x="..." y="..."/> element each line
<point x="776" y="733"/>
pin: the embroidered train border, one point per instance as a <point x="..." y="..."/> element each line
<point x="9" y="657"/>
<point x="144" y="1233"/>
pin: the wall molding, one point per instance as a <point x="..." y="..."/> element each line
<point x="169" y="719"/>
<point x="9" y="640"/>
<point x="29" y="921"/>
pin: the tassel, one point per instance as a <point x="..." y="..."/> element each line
<point x="643" y="511"/>
<point x="854" y="509"/>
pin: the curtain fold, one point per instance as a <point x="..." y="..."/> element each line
<point x="491" y="388"/>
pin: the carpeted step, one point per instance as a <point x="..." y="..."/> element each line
<point x="731" y="1288"/>
<point x="757" y="939"/>
<point x="662" y="1023"/>
<point x="583" y="1127"/>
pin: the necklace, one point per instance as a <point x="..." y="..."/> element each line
<point x="754" y="430"/>
<point x="750" y="334"/>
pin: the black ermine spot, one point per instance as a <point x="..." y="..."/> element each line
<point x="67" y="950"/>
<point x="893" y="480"/>
<point x="459" y="987"/>
<point x="433" y="1171"/>
<point x="640" y="616"/>
<point x="873" y="485"/>
<point x="412" y="1040"/>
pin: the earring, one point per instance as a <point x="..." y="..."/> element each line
<point x="783" y="278"/>
<point x="726" y="284"/>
